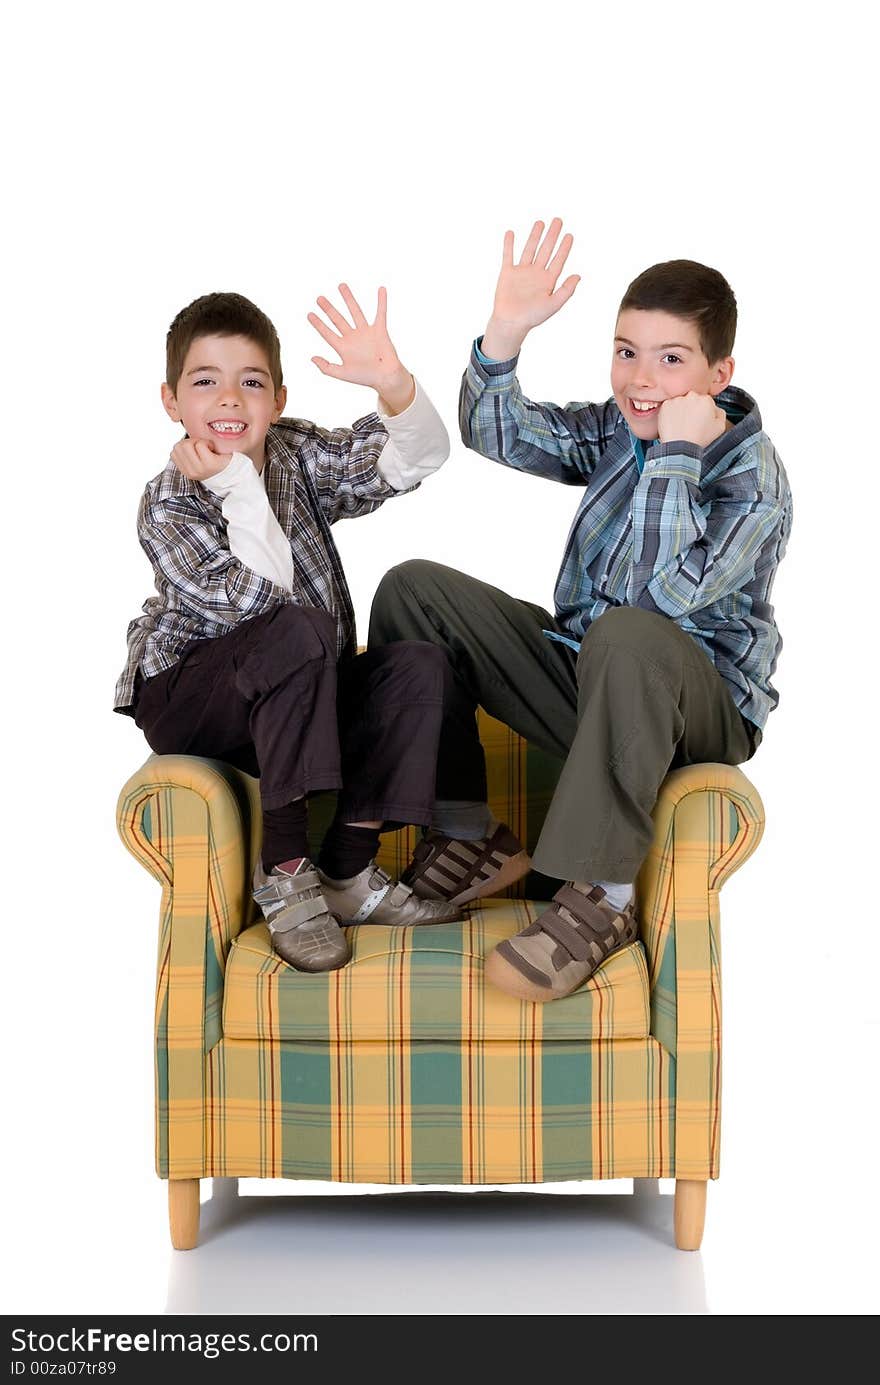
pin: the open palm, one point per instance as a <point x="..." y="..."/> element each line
<point x="526" y="292"/>
<point x="365" y="349"/>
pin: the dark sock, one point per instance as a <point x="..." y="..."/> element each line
<point x="347" y="850"/>
<point x="284" y="834"/>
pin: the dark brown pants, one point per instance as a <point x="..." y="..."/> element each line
<point x="639" y="699"/>
<point x="270" y="699"/>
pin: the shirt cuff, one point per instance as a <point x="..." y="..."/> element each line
<point x="418" y="443"/>
<point x="481" y="357"/>
<point x="674" y="460"/>
<point x="489" y="372"/>
<point x="222" y="482"/>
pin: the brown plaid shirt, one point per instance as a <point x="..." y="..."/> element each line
<point x="313" y="476"/>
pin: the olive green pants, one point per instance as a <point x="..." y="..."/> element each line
<point x="639" y="699"/>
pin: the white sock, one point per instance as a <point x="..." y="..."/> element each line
<point x="463" y="819"/>
<point x="618" y="896"/>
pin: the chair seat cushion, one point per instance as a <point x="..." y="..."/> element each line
<point x="424" y="983"/>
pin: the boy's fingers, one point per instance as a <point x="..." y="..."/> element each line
<point x="531" y="244"/>
<point x="335" y="316"/>
<point x="184" y="454"/>
<point x="321" y="327"/>
<point x="353" y="305"/>
<point x="557" y="264"/>
<point x="326" y="368"/>
<point x="507" y="253"/>
<point x="564" y="292"/>
<point x="382" y="306"/>
<point x="542" y="258"/>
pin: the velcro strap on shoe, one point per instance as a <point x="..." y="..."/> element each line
<point x="373" y="899"/>
<point x="302" y="911"/>
<point x="567" y="936"/>
<point x="424" y="850"/>
<point x="308" y="880"/>
<point x="586" y="911"/>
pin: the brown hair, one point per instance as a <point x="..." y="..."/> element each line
<point x="220" y="315"/>
<point x="694" y="292"/>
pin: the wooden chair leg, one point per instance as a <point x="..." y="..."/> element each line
<point x="183" y="1212"/>
<point x="690" y="1212"/>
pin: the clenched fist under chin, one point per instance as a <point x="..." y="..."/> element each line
<point x="691" y="417"/>
<point x="198" y="460"/>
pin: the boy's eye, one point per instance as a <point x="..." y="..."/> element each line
<point x="258" y="383"/>
<point x="625" y="352"/>
<point x="204" y="381"/>
<point x="670" y="357"/>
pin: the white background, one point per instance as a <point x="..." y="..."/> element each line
<point x="159" y="154"/>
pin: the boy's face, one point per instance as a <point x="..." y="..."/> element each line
<point x="658" y="356"/>
<point x="225" y="396"/>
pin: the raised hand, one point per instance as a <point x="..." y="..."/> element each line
<point x="364" y="348"/>
<point x="526" y="293"/>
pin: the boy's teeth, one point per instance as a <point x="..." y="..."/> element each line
<point x="642" y="407"/>
<point x="228" y="427"/>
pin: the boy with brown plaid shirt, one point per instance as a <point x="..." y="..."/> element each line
<point x="246" y="653"/>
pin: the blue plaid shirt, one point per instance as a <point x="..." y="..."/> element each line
<point x="692" y="533"/>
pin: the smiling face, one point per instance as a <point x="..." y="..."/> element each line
<point x="226" y="396"/>
<point x="658" y="356"/>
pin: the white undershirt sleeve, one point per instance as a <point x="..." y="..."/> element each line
<point x="417" y="445"/>
<point x="255" y="536"/>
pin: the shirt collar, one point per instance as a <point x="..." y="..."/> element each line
<point x="741" y="410"/>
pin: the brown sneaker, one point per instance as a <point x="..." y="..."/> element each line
<point x="557" y="953"/>
<point x="373" y="897"/>
<point x="446" y="868"/>
<point x="303" y="933"/>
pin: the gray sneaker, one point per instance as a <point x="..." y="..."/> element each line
<point x="373" y="897"/>
<point x="303" y="933"/>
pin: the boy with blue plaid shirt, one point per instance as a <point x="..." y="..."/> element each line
<point x="663" y="640"/>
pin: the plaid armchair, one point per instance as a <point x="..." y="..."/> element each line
<point x="402" y="1068"/>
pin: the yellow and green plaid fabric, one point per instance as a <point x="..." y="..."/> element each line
<point x="423" y="983"/>
<point x="362" y="1075"/>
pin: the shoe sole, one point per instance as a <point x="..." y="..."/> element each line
<point x="501" y="973"/>
<point x="509" y="978"/>
<point x="514" y="870"/>
<point x="298" y="965"/>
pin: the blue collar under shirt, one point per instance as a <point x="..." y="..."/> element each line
<point x="640" y="449"/>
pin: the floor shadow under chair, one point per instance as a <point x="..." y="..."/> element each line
<point x="432" y="1252"/>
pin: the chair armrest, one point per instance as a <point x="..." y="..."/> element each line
<point x="708" y="820"/>
<point x="194" y="824"/>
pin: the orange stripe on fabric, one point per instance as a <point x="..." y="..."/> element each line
<point x="534" y="1112"/>
<point x="401" y="1055"/>
<point x="337" y="982"/>
<point x="716" y="1099"/>
<point x="660" y="1098"/>
<point x="270" y="1056"/>
<point x="664" y="914"/>
<point x="599" y="1056"/>
<point x="470" y="1056"/>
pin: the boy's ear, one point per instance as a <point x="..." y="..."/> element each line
<point x="170" y="402"/>
<point x="280" y="402"/>
<point x="723" y="371"/>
